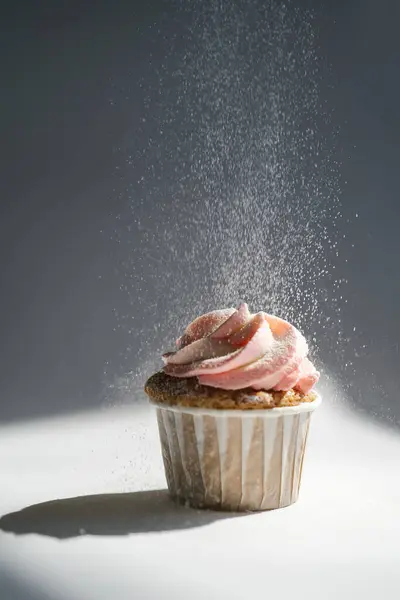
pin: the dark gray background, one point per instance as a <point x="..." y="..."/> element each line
<point x="71" y="111"/>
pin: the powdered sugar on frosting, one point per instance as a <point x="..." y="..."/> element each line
<point x="234" y="349"/>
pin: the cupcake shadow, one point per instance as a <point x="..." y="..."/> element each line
<point x="108" y="514"/>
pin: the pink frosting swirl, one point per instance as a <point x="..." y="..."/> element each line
<point x="234" y="349"/>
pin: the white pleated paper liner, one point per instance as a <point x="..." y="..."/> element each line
<point x="234" y="460"/>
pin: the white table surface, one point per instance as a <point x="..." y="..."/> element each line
<point x="340" y="541"/>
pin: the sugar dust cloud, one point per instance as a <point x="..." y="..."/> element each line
<point x="237" y="194"/>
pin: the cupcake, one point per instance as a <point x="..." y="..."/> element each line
<point x="234" y="402"/>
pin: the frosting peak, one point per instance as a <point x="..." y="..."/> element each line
<point x="234" y="349"/>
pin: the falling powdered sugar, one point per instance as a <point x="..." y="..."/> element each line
<point x="234" y="194"/>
